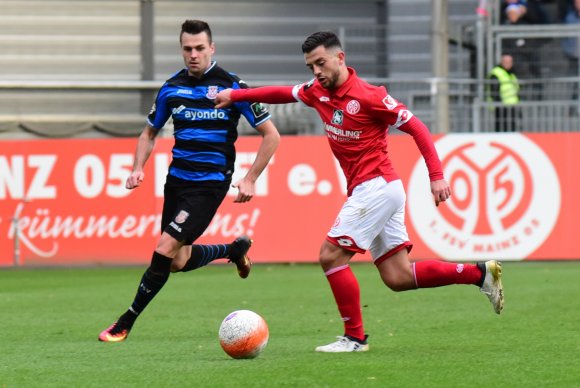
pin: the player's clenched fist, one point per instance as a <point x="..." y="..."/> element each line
<point x="134" y="180"/>
<point x="223" y="99"/>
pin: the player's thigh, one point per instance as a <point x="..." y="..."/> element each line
<point x="168" y="246"/>
<point x="193" y="211"/>
<point x="170" y="204"/>
<point x="393" y="232"/>
<point x="363" y="215"/>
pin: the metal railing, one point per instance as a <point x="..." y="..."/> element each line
<point x="117" y="108"/>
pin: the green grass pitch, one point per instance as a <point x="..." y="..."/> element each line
<point x="447" y="337"/>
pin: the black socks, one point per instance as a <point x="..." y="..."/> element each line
<point x="152" y="281"/>
<point x="202" y="255"/>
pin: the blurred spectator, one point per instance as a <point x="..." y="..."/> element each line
<point x="570" y="45"/>
<point x="537" y="12"/>
<point x="514" y="11"/>
<point x="562" y="9"/>
<point x="523" y="12"/>
<point x="504" y="88"/>
<point x="525" y="50"/>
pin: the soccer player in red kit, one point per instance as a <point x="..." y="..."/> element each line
<point x="356" y="117"/>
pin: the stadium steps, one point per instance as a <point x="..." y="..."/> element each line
<point x="70" y="125"/>
<point x="409" y="37"/>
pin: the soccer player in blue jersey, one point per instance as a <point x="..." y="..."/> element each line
<point x="201" y="170"/>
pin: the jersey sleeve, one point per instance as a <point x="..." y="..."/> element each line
<point x="255" y="112"/>
<point x="396" y="115"/>
<point x="160" y="112"/>
<point x="303" y="92"/>
<point x="267" y="94"/>
<point x="388" y="110"/>
<point x="422" y="137"/>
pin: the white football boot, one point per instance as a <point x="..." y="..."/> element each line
<point x="492" y="286"/>
<point x="345" y="344"/>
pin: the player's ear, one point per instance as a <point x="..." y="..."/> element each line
<point x="341" y="56"/>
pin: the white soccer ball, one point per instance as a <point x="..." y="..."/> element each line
<point x="243" y="334"/>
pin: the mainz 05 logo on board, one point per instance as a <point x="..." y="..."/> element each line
<point x="505" y="198"/>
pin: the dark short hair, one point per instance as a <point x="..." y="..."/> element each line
<point x="327" y="39"/>
<point x="195" y="27"/>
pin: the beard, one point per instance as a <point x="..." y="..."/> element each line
<point x="331" y="81"/>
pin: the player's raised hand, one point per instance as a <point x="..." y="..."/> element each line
<point x="245" y="190"/>
<point x="440" y="190"/>
<point x="223" y="99"/>
<point x="134" y="180"/>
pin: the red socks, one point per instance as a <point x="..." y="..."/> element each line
<point x="347" y="296"/>
<point x="429" y="273"/>
<point x="436" y="273"/>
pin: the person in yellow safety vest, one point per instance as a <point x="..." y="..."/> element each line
<point x="506" y="90"/>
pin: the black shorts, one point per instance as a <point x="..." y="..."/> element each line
<point x="188" y="210"/>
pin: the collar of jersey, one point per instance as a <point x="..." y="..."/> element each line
<point x="211" y="66"/>
<point x="345" y="87"/>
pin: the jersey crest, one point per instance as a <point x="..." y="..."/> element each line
<point x="212" y="92"/>
<point x="353" y="107"/>
<point x="181" y="217"/>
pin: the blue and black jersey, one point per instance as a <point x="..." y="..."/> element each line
<point x="204" y="136"/>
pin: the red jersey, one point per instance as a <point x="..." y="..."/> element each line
<point x="356" y="117"/>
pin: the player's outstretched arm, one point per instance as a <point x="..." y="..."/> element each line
<point x="270" y="141"/>
<point x="266" y="94"/>
<point x="145" y="145"/>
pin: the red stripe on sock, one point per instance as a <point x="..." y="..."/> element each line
<point x="346" y="293"/>
<point x="436" y="273"/>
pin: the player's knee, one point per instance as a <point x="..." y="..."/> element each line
<point x="180" y="259"/>
<point x="332" y="256"/>
<point x="326" y="261"/>
<point x="168" y="246"/>
<point x="175" y="267"/>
